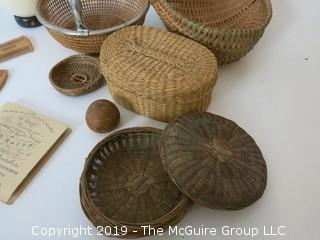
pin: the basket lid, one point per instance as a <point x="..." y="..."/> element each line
<point x="157" y="64"/>
<point x="213" y="161"/>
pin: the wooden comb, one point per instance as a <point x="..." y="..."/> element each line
<point x="15" y="48"/>
<point x="3" y="77"/>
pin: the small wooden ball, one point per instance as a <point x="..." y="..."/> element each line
<point x="102" y="116"/>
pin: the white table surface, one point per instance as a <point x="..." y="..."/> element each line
<point x="273" y="93"/>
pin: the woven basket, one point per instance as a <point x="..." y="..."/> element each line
<point x="158" y="74"/>
<point x="230" y="28"/>
<point x="76" y="75"/>
<point x="213" y="161"/>
<point x="124" y="184"/>
<point x="100" y="17"/>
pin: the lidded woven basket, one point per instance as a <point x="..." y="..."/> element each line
<point x="158" y="74"/>
<point x="229" y="28"/>
<point x="124" y="184"/>
<point x="84" y="29"/>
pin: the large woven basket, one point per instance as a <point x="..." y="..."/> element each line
<point x="158" y="74"/>
<point x="230" y="28"/>
<point x="124" y="184"/>
<point x="101" y="18"/>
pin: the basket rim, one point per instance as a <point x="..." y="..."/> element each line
<point x="223" y="30"/>
<point x="87" y="33"/>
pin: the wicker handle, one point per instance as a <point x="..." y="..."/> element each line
<point x="76" y="7"/>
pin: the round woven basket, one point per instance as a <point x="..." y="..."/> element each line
<point x="158" y="74"/>
<point x="101" y="18"/>
<point x="76" y="75"/>
<point x="124" y="184"/>
<point x="229" y="28"/>
<point x="213" y="161"/>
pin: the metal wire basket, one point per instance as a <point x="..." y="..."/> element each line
<point x="83" y="25"/>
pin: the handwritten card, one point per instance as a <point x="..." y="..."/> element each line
<point x="26" y="138"/>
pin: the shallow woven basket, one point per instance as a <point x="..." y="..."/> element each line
<point x="229" y="28"/>
<point x="124" y="184"/>
<point x="76" y="75"/>
<point x="158" y="74"/>
<point x="101" y="18"/>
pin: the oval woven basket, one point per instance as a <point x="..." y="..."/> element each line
<point x="158" y="74"/>
<point x="213" y="161"/>
<point x="124" y="184"/>
<point x="229" y="28"/>
<point x="76" y="75"/>
<point x="101" y="18"/>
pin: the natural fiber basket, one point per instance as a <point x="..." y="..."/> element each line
<point x="76" y="75"/>
<point x="158" y="74"/>
<point x="213" y="161"/>
<point x="229" y="28"/>
<point x="101" y="18"/>
<point x="124" y="184"/>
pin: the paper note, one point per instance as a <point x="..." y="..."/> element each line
<point x="26" y="138"/>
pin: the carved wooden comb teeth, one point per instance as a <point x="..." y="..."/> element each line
<point x="15" y="48"/>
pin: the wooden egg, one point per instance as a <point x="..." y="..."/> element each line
<point x="102" y="116"/>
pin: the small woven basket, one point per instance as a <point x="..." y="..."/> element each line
<point x="101" y="18"/>
<point x="124" y="184"/>
<point x="76" y="75"/>
<point x="229" y="28"/>
<point x="158" y="74"/>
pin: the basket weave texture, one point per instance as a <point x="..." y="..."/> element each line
<point x="124" y="184"/>
<point x="229" y="28"/>
<point x="158" y="74"/>
<point x="76" y="75"/>
<point x="213" y="161"/>
<point x="98" y="15"/>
